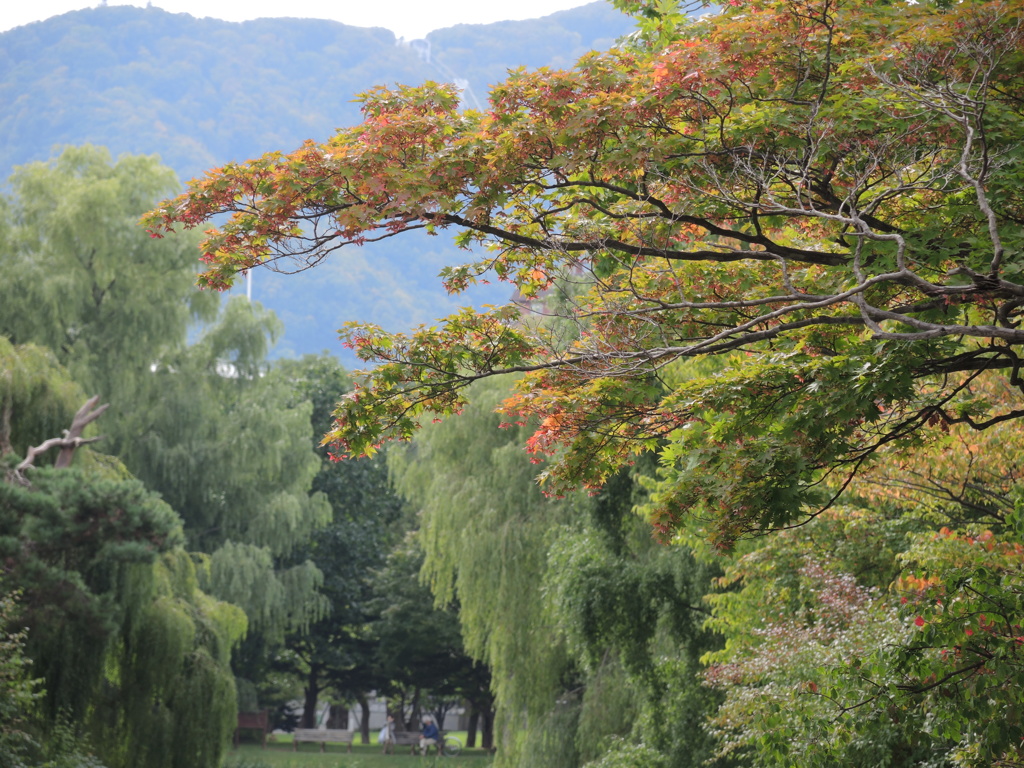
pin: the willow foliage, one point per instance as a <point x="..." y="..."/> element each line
<point x="78" y="274"/>
<point x="18" y="690"/>
<point x="486" y="528"/>
<point x="37" y="396"/>
<point x="126" y="644"/>
<point x="229" y="445"/>
<point x="591" y="629"/>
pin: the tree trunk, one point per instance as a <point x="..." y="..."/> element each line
<point x="87" y="414"/>
<point x="487" y="741"/>
<point x="5" y="429"/>
<point x="364" y="718"/>
<point x="414" y="716"/>
<point x="440" y="712"/>
<point x="337" y="716"/>
<point x="398" y="706"/>
<point x="68" y="444"/>
<point x="474" y="719"/>
<point x="311" y="696"/>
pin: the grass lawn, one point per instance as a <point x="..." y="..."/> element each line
<point x="279" y="754"/>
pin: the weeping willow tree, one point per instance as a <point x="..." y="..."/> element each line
<point x="632" y="613"/>
<point x="593" y="631"/>
<point x="128" y="649"/>
<point x="486" y="529"/>
<point x="227" y="441"/>
<point x="227" y="446"/>
<point x="81" y="279"/>
<point x="36" y="396"/>
<point x="167" y="682"/>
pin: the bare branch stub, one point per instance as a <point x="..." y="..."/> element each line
<point x="68" y="443"/>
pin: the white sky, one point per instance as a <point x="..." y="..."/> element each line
<point x="410" y="19"/>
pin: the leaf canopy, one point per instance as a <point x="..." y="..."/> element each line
<point x="826" y="195"/>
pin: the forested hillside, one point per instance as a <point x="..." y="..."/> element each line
<point x="203" y="92"/>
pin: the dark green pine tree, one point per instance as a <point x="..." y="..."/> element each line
<point x="125" y="642"/>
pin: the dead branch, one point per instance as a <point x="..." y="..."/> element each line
<point x="68" y="443"/>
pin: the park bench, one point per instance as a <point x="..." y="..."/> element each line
<point x="407" y="739"/>
<point x="332" y="735"/>
<point x="257" y="721"/>
<point x="412" y="740"/>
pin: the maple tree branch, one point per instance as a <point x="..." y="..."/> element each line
<point x="556" y="243"/>
<point x="844" y="709"/>
<point x="979" y="425"/>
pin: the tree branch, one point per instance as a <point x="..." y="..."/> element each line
<point x="70" y="441"/>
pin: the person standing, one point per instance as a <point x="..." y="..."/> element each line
<point x="386" y="738"/>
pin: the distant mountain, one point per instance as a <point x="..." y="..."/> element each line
<point x="202" y="92"/>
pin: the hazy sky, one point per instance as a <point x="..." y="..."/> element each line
<point x="406" y="18"/>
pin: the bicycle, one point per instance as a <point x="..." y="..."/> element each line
<point x="450" y="746"/>
<point x="446" y="746"/>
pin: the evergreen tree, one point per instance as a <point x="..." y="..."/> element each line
<point x="126" y="644"/>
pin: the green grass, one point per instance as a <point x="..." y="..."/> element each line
<point x="279" y="754"/>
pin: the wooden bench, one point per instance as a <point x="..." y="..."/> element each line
<point x="407" y="739"/>
<point x="332" y="735"/>
<point x="256" y="721"/>
<point x="411" y="739"/>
